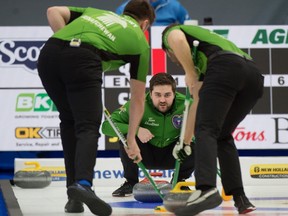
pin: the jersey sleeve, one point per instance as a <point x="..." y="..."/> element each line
<point x="77" y="9"/>
<point x="140" y="66"/>
<point x="165" y="37"/>
<point x="75" y="12"/>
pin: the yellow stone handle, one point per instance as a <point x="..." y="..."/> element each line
<point x="177" y="188"/>
<point x="35" y="164"/>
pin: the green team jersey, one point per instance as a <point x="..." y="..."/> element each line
<point x="165" y="127"/>
<point x="209" y="43"/>
<point x="118" y="39"/>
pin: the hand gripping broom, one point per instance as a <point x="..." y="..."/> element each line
<point x="124" y="142"/>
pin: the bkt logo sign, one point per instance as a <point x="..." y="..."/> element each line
<point x="20" y="53"/>
<point x="29" y="102"/>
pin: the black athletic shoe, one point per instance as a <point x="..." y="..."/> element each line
<point x="243" y="205"/>
<point x="86" y="195"/>
<point x="200" y="201"/>
<point x="74" y="206"/>
<point x="126" y="189"/>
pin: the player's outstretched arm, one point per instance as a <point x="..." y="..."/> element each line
<point x="136" y="111"/>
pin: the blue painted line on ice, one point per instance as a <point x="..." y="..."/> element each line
<point x="135" y="204"/>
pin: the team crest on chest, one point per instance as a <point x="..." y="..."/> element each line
<point x="177" y="121"/>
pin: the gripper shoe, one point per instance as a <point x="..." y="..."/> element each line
<point x="200" y="201"/>
<point x="86" y="195"/>
<point x="74" y="206"/>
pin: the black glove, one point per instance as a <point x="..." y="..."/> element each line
<point x="182" y="153"/>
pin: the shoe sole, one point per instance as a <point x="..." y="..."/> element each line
<point x="96" y="205"/>
<point x="74" y="208"/>
<point x="77" y="211"/>
<point x="120" y="195"/>
<point x="247" y="210"/>
<point x="214" y="201"/>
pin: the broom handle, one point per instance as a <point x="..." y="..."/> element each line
<point x="124" y="142"/>
<point x="184" y="121"/>
<point x="181" y="139"/>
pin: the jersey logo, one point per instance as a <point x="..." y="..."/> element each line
<point x="122" y="109"/>
<point x="110" y="19"/>
<point x="177" y="121"/>
<point x="99" y="25"/>
<point x="151" y="122"/>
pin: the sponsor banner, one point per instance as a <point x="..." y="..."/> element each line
<point x="29" y="121"/>
<point x="269" y="171"/>
<point x="19" y="51"/>
<point x="264" y="171"/>
<point x="242" y="36"/>
<point x="262" y="132"/>
<point x="109" y="171"/>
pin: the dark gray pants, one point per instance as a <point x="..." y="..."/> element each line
<point x="231" y="87"/>
<point x="72" y="78"/>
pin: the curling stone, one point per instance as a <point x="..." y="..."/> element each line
<point x="177" y="198"/>
<point x="32" y="177"/>
<point x="145" y="192"/>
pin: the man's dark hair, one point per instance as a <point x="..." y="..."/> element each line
<point x="140" y="10"/>
<point x="162" y="79"/>
<point x="164" y="32"/>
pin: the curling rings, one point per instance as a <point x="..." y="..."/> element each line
<point x="145" y="192"/>
<point x="33" y="177"/>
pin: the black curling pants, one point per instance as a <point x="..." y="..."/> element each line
<point x="155" y="158"/>
<point x="231" y="88"/>
<point x="72" y="78"/>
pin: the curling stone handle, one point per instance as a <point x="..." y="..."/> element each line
<point x="34" y="163"/>
<point x="178" y="186"/>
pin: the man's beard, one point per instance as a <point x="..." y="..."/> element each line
<point x="163" y="107"/>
